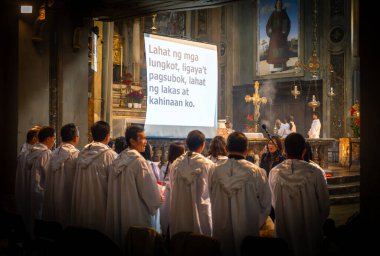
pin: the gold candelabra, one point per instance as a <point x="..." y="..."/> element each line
<point x="313" y="65"/>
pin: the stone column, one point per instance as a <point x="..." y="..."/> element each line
<point x="107" y="71"/>
<point x="136" y="51"/>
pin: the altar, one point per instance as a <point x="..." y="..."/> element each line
<point x="256" y="146"/>
<point x="319" y="149"/>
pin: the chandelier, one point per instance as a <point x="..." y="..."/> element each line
<point x="313" y="65"/>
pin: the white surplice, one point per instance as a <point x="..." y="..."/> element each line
<point x="89" y="200"/>
<point x="190" y="207"/>
<point x="22" y="182"/>
<point x="314" y="129"/>
<point x="38" y="162"/>
<point x="133" y="195"/>
<point x="218" y="160"/>
<point x="300" y="199"/>
<point x="241" y="202"/>
<point x="59" y="184"/>
<point x="165" y="207"/>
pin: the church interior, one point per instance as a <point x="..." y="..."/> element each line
<point x="85" y="61"/>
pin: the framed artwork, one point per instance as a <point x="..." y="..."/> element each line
<point x="202" y="22"/>
<point x="279" y="37"/>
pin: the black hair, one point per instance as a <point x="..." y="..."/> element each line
<point x="147" y="154"/>
<point x="132" y="133"/>
<point x="218" y="146"/>
<point x="237" y="142"/>
<point x="32" y="133"/>
<point x="100" y="130"/>
<point x="45" y="132"/>
<point x="294" y="145"/>
<point x="309" y="154"/>
<point x="195" y="139"/>
<point x="316" y="113"/>
<point x="68" y="132"/>
<point x="176" y="149"/>
<point x="120" y="144"/>
<point x="277" y="139"/>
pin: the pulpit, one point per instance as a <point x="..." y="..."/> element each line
<point x="319" y="149"/>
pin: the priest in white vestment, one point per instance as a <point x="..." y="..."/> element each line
<point x="89" y="200"/>
<point x="37" y="163"/>
<point x="23" y="177"/>
<point x="60" y="178"/>
<point x="240" y="197"/>
<point x="315" y="127"/>
<point x="190" y="207"/>
<point x="300" y="199"/>
<point x="133" y="194"/>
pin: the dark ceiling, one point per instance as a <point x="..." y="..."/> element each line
<point x="118" y="9"/>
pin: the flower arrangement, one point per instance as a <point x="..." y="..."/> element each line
<point x="127" y="79"/>
<point x="135" y="96"/>
<point x="355" y="120"/>
<point x="251" y="124"/>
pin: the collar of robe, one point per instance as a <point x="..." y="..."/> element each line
<point x="236" y="157"/>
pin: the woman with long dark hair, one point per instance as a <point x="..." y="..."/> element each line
<point x="274" y="154"/>
<point x="217" y="151"/>
<point x="273" y="157"/>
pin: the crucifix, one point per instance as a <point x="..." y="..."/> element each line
<point x="256" y="101"/>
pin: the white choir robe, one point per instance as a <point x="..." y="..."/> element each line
<point x="190" y="207"/>
<point x="59" y="184"/>
<point x="165" y="207"/>
<point x="314" y="129"/>
<point x="38" y="162"/>
<point x="89" y="199"/>
<point x="22" y="183"/>
<point x="241" y="202"/>
<point x="218" y="160"/>
<point x="133" y="195"/>
<point x="157" y="174"/>
<point x="300" y="199"/>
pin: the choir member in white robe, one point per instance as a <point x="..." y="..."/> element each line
<point x="60" y="178"/>
<point x="23" y="177"/>
<point x="190" y="207"/>
<point x="89" y="200"/>
<point x="240" y="197"/>
<point x="176" y="149"/>
<point x="300" y="199"/>
<point x="147" y="154"/>
<point x="315" y="127"/>
<point x="133" y="194"/>
<point x="38" y="162"/>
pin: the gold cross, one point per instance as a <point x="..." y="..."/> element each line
<point x="256" y="101"/>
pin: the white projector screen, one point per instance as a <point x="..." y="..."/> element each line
<point x="182" y="87"/>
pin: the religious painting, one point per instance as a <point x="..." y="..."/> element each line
<point x="202" y="22"/>
<point x="279" y="39"/>
<point x="171" y="23"/>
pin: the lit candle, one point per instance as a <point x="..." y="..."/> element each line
<point x="313" y="97"/>
<point x="295" y="87"/>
